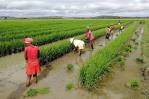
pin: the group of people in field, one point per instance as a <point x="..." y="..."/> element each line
<point x="32" y="52"/>
<point x="79" y="45"/>
<point x="110" y="30"/>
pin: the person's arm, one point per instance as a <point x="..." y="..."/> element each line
<point x="38" y="53"/>
<point x="38" y="56"/>
<point x="87" y="34"/>
<point x="25" y="54"/>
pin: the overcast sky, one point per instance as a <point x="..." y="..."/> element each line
<point x="36" y="8"/>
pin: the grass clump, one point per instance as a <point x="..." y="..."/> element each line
<point x="121" y="58"/>
<point x="69" y="86"/>
<point x="34" y="92"/>
<point x="140" y="60"/>
<point x="125" y="54"/>
<point x="128" y="49"/>
<point x="122" y="63"/>
<point x="70" y="67"/>
<point x="129" y="46"/>
<point x="136" y="43"/>
<point x="43" y="90"/>
<point x="134" y="39"/>
<point x="133" y="83"/>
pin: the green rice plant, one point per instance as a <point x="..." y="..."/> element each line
<point x="133" y="83"/>
<point x="134" y="39"/>
<point x="129" y="46"/>
<point x="12" y="32"/>
<point x="122" y="63"/>
<point x="145" y="41"/>
<point x="57" y="49"/>
<point x="69" y="86"/>
<point x="135" y="47"/>
<point x="128" y="49"/>
<point x="70" y="67"/>
<point x="140" y="59"/>
<point x="33" y="92"/>
<point x="136" y="43"/>
<point x="121" y="58"/>
<point x="93" y="70"/>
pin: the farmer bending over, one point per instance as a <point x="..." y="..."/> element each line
<point x="31" y="57"/>
<point x="108" y="32"/>
<point x="78" y="45"/>
<point x="121" y="28"/>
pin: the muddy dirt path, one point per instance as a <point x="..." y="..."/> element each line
<point x="112" y="87"/>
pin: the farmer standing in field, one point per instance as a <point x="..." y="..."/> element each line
<point x="112" y="30"/>
<point x="31" y="57"/>
<point x="90" y="37"/>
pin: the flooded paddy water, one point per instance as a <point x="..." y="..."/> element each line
<point x="55" y="77"/>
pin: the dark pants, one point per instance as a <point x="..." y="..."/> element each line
<point x="91" y="44"/>
<point x="107" y="36"/>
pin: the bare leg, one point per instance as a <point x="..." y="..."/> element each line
<point x="91" y="44"/>
<point x="80" y="52"/>
<point x="35" y="79"/>
<point x="74" y="50"/>
<point x="28" y="81"/>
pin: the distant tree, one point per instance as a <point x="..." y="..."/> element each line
<point x="5" y="18"/>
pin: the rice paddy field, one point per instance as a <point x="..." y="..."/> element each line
<point x="116" y="69"/>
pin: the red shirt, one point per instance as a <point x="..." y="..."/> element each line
<point x="112" y="29"/>
<point x="31" y="52"/>
<point x="89" y="35"/>
<point x="33" y="65"/>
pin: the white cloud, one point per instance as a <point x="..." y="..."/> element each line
<point x="33" y="8"/>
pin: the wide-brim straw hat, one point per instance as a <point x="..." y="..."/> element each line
<point x="28" y="40"/>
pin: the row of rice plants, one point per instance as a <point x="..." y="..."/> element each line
<point x="16" y="27"/>
<point x="43" y="31"/>
<point x="26" y="26"/>
<point x="57" y="49"/>
<point x="145" y="40"/>
<point x="15" y="46"/>
<point x="94" y="69"/>
<point x="70" y="29"/>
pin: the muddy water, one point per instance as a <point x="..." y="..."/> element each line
<point x="55" y="76"/>
<point x="12" y="70"/>
<point x="11" y="73"/>
<point x="59" y="77"/>
<point x="112" y="87"/>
